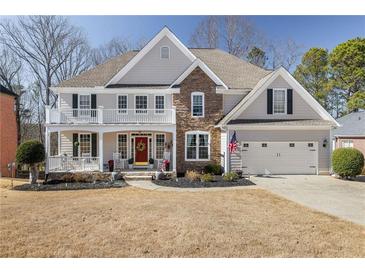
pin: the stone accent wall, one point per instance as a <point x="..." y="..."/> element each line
<point x="197" y="81"/>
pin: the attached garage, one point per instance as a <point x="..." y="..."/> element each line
<point x="276" y="157"/>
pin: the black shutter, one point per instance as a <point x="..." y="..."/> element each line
<point x="289" y="101"/>
<point x="75" y="148"/>
<point x="93" y="105"/>
<point x="93" y="145"/>
<point x="75" y="101"/>
<point x="269" y="101"/>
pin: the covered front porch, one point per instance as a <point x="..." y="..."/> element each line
<point x="106" y="150"/>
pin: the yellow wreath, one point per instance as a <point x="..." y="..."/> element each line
<point x="141" y="146"/>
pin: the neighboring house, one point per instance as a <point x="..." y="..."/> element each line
<point x="8" y="130"/>
<point x="352" y="131"/>
<point x="182" y="104"/>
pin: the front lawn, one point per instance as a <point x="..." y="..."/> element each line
<point x="131" y="222"/>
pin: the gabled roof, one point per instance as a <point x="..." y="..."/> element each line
<point x="4" y="90"/>
<point x="165" y="32"/>
<point x="198" y="63"/>
<point x="261" y="87"/>
<point x="352" y="124"/>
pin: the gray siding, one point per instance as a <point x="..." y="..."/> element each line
<point x="287" y="135"/>
<point x="151" y="69"/>
<point x="230" y="101"/>
<point x="258" y="109"/>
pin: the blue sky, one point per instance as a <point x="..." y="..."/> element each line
<point x="308" y="31"/>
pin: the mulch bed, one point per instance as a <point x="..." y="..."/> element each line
<point x="218" y="182"/>
<point x="58" y="185"/>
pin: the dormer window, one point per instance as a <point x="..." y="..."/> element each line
<point x="165" y="53"/>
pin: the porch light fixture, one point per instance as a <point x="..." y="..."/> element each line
<point x="325" y="142"/>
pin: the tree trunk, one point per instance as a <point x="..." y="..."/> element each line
<point x="33" y="174"/>
<point x="17" y="110"/>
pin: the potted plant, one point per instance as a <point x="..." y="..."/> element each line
<point x="130" y="163"/>
<point x="151" y="163"/>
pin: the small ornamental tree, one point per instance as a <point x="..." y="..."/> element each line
<point x="31" y="153"/>
<point x="347" y="162"/>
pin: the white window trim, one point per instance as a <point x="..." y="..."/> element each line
<point x="117" y="103"/>
<point x="79" y="108"/>
<point x="90" y="146"/>
<point x="164" y="104"/>
<point x="117" y="144"/>
<point x="135" y="104"/>
<point x="197" y="146"/>
<point x="191" y="103"/>
<point x="161" y="53"/>
<point x="155" y="144"/>
<point x="285" y="100"/>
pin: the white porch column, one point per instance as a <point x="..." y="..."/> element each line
<point x="227" y="156"/>
<point x="100" y="114"/>
<point x="48" y="117"/>
<point x="59" y="142"/>
<point x="174" y="150"/>
<point x="101" y="151"/>
<point x="47" y="145"/>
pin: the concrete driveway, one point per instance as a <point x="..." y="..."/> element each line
<point x="344" y="199"/>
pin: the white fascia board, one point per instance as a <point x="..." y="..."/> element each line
<point x="272" y="127"/>
<point x="164" y="32"/>
<point x="349" y="136"/>
<point x="102" y="90"/>
<point x="205" y="68"/>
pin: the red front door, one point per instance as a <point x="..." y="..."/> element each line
<point x="141" y="149"/>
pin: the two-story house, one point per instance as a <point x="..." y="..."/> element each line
<point x="170" y="102"/>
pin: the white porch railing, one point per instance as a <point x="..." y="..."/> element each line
<point x="67" y="163"/>
<point x="110" y="116"/>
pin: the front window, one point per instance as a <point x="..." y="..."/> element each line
<point x="122" y="146"/>
<point x="141" y="104"/>
<point x="122" y="104"/>
<point x="197" y="104"/>
<point x="347" y="143"/>
<point x="197" y="146"/>
<point x="84" y="105"/>
<point x="159" y="103"/>
<point x="85" y="145"/>
<point x="160" y="145"/>
<point x="279" y="101"/>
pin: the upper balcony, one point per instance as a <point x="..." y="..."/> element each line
<point x="110" y="116"/>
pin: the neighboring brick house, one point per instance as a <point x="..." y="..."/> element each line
<point x="352" y="131"/>
<point x="170" y="102"/>
<point x="8" y="130"/>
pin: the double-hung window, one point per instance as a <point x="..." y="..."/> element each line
<point x="85" y="145"/>
<point x="159" y="104"/>
<point x="197" y="146"/>
<point x="160" y="146"/>
<point x="84" y="105"/>
<point x="141" y="104"/>
<point x="122" y="104"/>
<point x="197" y="104"/>
<point x="122" y="146"/>
<point x="279" y="101"/>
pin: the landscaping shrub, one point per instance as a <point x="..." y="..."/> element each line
<point x="193" y="176"/>
<point x="347" y="162"/>
<point x="207" y="177"/>
<point x="31" y="153"/>
<point x="67" y="178"/>
<point x="213" y="169"/>
<point x="230" y="176"/>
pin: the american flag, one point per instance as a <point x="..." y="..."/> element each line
<point x="233" y="143"/>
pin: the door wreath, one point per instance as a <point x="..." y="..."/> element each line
<point x="140" y="146"/>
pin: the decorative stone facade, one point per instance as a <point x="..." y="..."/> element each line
<point x="197" y="81"/>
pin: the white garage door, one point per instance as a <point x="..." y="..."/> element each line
<point x="279" y="157"/>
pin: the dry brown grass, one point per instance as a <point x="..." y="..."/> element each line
<point x="138" y="223"/>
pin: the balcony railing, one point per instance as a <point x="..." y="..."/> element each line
<point x="110" y="116"/>
<point x="67" y="163"/>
